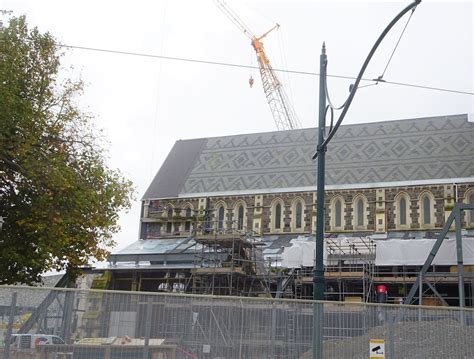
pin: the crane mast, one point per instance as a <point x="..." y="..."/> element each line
<point x="281" y="109"/>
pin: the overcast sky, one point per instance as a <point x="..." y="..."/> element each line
<point x="145" y="104"/>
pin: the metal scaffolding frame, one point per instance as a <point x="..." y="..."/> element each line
<point x="225" y="261"/>
<point x="455" y="216"/>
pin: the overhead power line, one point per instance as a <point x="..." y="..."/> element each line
<point x="228" y="64"/>
<point x="398" y="42"/>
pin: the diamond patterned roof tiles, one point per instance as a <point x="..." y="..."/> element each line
<point x="403" y="150"/>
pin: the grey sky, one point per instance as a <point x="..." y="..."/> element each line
<point x="145" y="105"/>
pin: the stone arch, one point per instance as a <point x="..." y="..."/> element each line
<point x="168" y="210"/>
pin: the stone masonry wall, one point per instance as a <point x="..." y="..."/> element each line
<point x="259" y="208"/>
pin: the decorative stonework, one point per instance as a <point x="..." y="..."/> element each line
<point x="379" y="204"/>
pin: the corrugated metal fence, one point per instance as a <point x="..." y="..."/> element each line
<point x="112" y="324"/>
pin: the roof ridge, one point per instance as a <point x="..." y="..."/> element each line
<point x="441" y="117"/>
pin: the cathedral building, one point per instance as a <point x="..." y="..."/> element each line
<point x="392" y="176"/>
<point x="236" y="215"/>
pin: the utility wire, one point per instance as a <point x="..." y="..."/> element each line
<point x="401" y="35"/>
<point x="379" y="79"/>
<point x="228" y="64"/>
<point x="368" y="85"/>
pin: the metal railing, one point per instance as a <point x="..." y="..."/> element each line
<point x="117" y="324"/>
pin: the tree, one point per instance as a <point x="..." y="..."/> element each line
<point x="59" y="199"/>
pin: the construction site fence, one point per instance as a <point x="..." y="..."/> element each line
<point x="73" y="323"/>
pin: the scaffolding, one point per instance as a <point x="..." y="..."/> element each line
<point x="225" y="258"/>
<point x="350" y="268"/>
<point x="349" y="272"/>
<point x="226" y="262"/>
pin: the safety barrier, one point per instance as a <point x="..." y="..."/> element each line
<point x="73" y="323"/>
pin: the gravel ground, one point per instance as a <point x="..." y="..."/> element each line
<point x="436" y="339"/>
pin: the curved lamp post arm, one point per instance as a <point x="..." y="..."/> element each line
<point x="412" y="6"/>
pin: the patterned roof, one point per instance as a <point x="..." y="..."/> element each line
<point x="422" y="149"/>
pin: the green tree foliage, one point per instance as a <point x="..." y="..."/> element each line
<point x="59" y="199"/>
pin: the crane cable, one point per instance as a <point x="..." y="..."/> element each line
<point x="233" y="17"/>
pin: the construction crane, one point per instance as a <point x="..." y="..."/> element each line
<point x="283" y="113"/>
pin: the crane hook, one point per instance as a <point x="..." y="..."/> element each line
<point x="251" y="81"/>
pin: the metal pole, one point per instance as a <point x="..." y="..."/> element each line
<point x="148" y="315"/>
<point x="420" y="295"/>
<point x="431" y="256"/>
<point x="6" y="348"/>
<point x="68" y="310"/>
<point x="318" y="267"/>
<point x="460" y="261"/>
<point x="273" y="331"/>
<point x="391" y="336"/>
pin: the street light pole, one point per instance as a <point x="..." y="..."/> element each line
<point x="318" y="278"/>
<point x="323" y="140"/>
<point x="318" y="267"/>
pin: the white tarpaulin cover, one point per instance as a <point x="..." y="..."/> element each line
<point x="415" y="252"/>
<point x="301" y="253"/>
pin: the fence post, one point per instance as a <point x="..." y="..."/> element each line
<point x="391" y="336"/>
<point x="6" y="349"/>
<point x="420" y="297"/>
<point x="68" y="309"/>
<point x="273" y="330"/>
<point x="241" y="328"/>
<point x="148" y="313"/>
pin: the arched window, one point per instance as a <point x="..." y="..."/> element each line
<point x="426" y="214"/>
<point x="359" y="208"/>
<point x="470" y="219"/>
<point x="402" y="212"/>
<point x="299" y="215"/>
<point x="239" y="215"/>
<point x="221" y="213"/>
<point x="169" y="224"/>
<point x="338" y="213"/>
<point x="360" y="212"/>
<point x="426" y="210"/>
<point x="187" y="224"/>
<point x="278" y="216"/>
<point x="240" y="218"/>
<point x="469" y="213"/>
